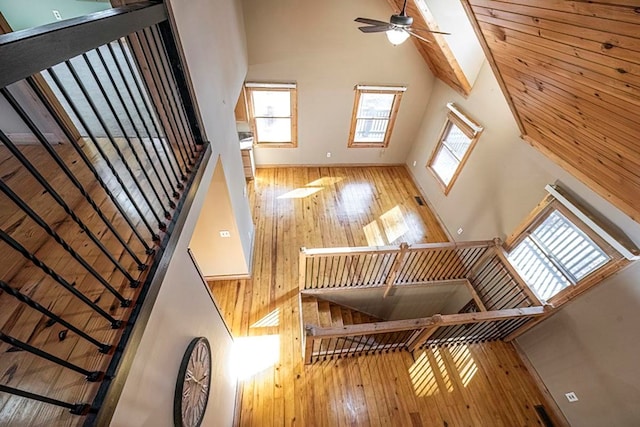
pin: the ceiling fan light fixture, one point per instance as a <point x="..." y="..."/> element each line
<point x="397" y="36"/>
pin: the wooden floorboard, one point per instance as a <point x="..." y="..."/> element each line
<point x="464" y="385"/>
<point x="25" y="371"/>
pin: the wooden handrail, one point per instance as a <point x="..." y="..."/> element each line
<point x="424" y="322"/>
<point x="323" y="252"/>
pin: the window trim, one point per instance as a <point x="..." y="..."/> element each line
<point x="292" y="89"/>
<point x="398" y="91"/>
<point x="540" y="214"/>
<point x="471" y="130"/>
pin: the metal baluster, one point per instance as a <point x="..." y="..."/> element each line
<point x="172" y="123"/>
<point x="175" y="97"/>
<point x="161" y="225"/>
<point x="144" y="122"/>
<point x="74" y="408"/>
<point x="103" y="348"/>
<point x="152" y="117"/>
<point x="151" y="164"/>
<point x="92" y="376"/>
<point x="42" y="223"/>
<point x="87" y="162"/>
<point x="53" y="193"/>
<point x="115" y="324"/>
<point x="104" y="156"/>
<point x="143" y="167"/>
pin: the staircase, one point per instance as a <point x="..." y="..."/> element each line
<point x="318" y="312"/>
<point x="500" y="305"/>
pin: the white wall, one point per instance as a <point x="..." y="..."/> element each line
<point x="317" y="45"/>
<point x="217" y="255"/>
<point x="213" y="41"/>
<point x="212" y="34"/>
<point x="589" y="347"/>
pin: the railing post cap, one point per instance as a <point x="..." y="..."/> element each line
<point x="497" y="241"/>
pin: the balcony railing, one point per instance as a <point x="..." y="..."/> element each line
<point x="85" y="221"/>
<point x="500" y="305"/>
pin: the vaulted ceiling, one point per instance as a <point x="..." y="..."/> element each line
<point x="571" y="73"/>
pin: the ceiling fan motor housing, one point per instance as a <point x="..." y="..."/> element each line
<point x="401" y="20"/>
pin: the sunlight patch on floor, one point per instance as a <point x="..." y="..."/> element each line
<point x="300" y="193"/>
<point x="271" y="319"/>
<point x="465" y="365"/>
<point x="394" y="224"/>
<point x="325" y="180"/>
<point x="373" y="234"/>
<point x="252" y="355"/>
<point x="422" y="377"/>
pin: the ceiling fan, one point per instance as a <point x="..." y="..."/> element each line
<point x="398" y="29"/>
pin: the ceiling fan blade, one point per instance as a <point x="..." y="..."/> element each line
<point x="429" y="31"/>
<point x="375" y="28"/>
<point x="370" y="21"/>
<point x="417" y="36"/>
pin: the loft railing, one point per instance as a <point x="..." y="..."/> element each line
<point x="349" y="340"/>
<point x="85" y="222"/>
<point x="500" y="303"/>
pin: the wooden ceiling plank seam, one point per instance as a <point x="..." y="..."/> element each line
<point x="490" y="59"/>
<point x="567" y="39"/>
<point x="604" y="184"/>
<point x="598" y="62"/>
<point x="624" y="157"/>
<point x="606" y="25"/>
<point x="612" y="11"/>
<point x="621" y="144"/>
<point x="537" y="140"/>
<point x="614" y="87"/>
<point x="615" y="40"/>
<point x="586" y="110"/>
<point x="626" y="81"/>
<point x="580" y="83"/>
<point x="616" y="186"/>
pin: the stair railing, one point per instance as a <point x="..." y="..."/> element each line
<point x="85" y="223"/>
<point x="369" y="338"/>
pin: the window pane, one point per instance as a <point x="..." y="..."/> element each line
<point x="374" y="105"/>
<point x="445" y="165"/>
<point x="457" y="141"/>
<point x="569" y="245"/>
<point x="273" y="130"/>
<point x="271" y="103"/>
<point x="537" y="270"/>
<point x="556" y="251"/>
<point x="370" y="130"/>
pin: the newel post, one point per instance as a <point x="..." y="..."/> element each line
<point x="404" y="248"/>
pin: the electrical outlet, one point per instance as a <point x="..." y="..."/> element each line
<point x="56" y="14"/>
<point x="415" y="163"/>
<point x="571" y="396"/>
<point x="328" y="154"/>
<point x="225" y="233"/>
<point x="460" y="230"/>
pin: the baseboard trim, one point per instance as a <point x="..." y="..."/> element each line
<point x="227" y="277"/>
<point x="328" y="165"/>
<point x="556" y="413"/>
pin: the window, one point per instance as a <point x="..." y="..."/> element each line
<point x="457" y="139"/>
<point x="557" y="251"/>
<point x="374" y="114"/>
<point x="273" y="113"/>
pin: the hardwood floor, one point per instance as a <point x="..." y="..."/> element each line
<point x="474" y="385"/>
<point x="26" y="371"/>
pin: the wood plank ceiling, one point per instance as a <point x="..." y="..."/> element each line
<point x="571" y="73"/>
<point x="436" y="52"/>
